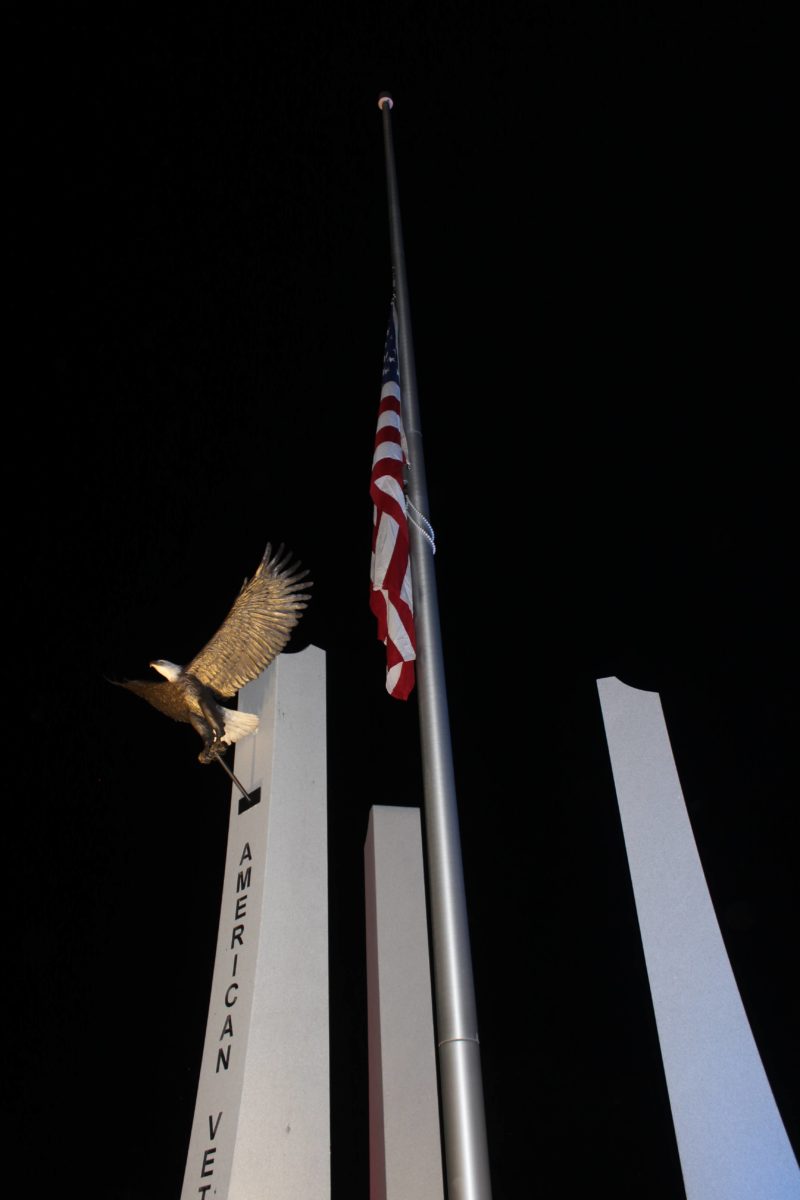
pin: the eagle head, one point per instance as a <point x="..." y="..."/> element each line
<point x="169" y="670"/>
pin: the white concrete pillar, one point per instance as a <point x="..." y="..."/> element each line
<point x="731" y="1139"/>
<point x="262" y="1119"/>
<point x="405" y="1142"/>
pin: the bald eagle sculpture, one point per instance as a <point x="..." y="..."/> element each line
<point x="254" y="632"/>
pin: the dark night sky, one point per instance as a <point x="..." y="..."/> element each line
<point x="597" y="203"/>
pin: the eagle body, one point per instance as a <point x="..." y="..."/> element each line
<point x="254" y="632"/>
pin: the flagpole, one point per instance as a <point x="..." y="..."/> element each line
<point x="466" y="1150"/>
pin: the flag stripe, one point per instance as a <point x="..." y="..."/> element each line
<point x="391" y="597"/>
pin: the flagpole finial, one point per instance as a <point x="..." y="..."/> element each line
<point x="385" y="98"/>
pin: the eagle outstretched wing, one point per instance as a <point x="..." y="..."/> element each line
<point x="257" y="628"/>
<point x="163" y="697"/>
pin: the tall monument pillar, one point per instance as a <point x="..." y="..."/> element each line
<point x="404" y="1134"/>
<point x="731" y="1140"/>
<point x="262" y="1118"/>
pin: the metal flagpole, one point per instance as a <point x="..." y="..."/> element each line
<point x="466" y="1150"/>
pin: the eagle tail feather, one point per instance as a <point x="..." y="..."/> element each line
<point x="238" y="725"/>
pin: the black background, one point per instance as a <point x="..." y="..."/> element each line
<point x="601" y="258"/>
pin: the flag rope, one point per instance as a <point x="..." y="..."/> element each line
<point x="422" y="524"/>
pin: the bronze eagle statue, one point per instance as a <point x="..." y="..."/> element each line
<point x="254" y="632"/>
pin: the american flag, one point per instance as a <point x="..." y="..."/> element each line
<point x="390" y="570"/>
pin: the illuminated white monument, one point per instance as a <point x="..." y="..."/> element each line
<point x="404" y="1133"/>
<point x="731" y="1139"/>
<point x="262" y="1119"/>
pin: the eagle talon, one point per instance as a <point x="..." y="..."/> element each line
<point x="216" y="749"/>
